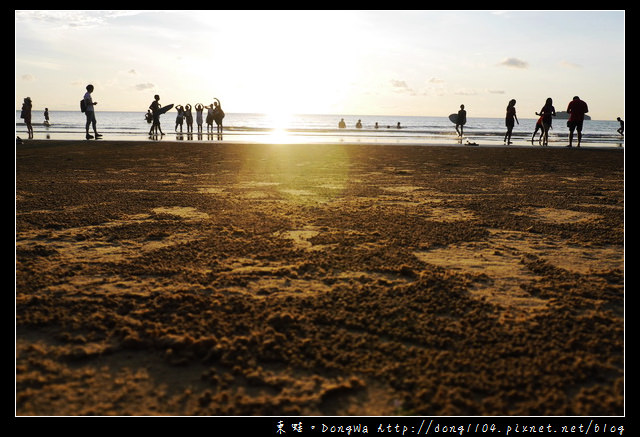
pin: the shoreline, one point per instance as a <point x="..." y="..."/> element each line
<point x="275" y="139"/>
<point x="330" y="280"/>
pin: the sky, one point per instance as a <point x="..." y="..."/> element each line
<point x="343" y="62"/>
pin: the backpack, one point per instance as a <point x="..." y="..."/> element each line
<point x="83" y="106"/>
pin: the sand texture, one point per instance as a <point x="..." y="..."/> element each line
<point x="168" y="278"/>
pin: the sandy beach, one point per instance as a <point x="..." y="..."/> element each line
<point x="173" y="278"/>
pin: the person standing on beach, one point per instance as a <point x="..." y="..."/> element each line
<point x="46" y="116"/>
<point x="199" y="108"/>
<point x="188" y="118"/>
<point x="546" y="113"/>
<point x="511" y="116"/>
<point x="179" y="117"/>
<point x="155" y="110"/>
<point x="209" y="118"/>
<point x="25" y="114"/>
<point x="218" y="115"/>
<point x="621" y="128"/>
<point x="576" y="109"/>
<point x="461" y="121"/>
<point x="90" y="113"/>
<point x="342" y="124"/>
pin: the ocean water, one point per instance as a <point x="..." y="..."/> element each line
<point x="318" y="128"/>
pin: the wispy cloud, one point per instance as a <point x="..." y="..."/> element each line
<point x="400" y="86"/>
<point x="144" y="86"/>
<point x="514" y="63"/>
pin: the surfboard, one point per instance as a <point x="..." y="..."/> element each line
<point x="165" y="109"/>
<point x="453" y="118"/>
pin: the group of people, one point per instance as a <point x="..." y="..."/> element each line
<point x="343" y="125"/>
<point x="576" y="108"/>
<point x="214" y="114"/>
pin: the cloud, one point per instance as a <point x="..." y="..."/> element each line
<point x="28" y="77"/>
<point x="495" y="91"/>
<point x="144" y="86"/>
<point x="514" y="63"/>
<point x="436" y="80"/>
<point x="465" y="92"/>
<point x="400" y="86"/>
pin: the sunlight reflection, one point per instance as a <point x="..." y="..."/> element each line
<point x="279" y="133"/>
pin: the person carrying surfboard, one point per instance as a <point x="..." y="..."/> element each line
<point x="155" y="110"/>
<point x="462" y="119"/>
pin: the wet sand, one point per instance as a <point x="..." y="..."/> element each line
<point x="168" y="278"/>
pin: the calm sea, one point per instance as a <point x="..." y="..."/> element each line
<point x="318" y="128"/>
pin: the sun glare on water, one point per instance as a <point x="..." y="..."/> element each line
<point x="280" y="123"/>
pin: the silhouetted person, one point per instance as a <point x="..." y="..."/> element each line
<point x="621" y="128"/>
<point x="218" y="115"/>
<point x="199" y="109"/>
<point x="547" y="112"/>
<point x="576" y="109"/>
<point x="188" y="117"/>
<point x="509" y="120"/>
<point x="148" y="116"/>
<point x="90" y="113"/>
<point x="376" y="126"/>
<point x="538" y="127"/>
<point x="398" y="125"/>
<point x="25" y="114"/>
<point x="210" y="109"/>
<point x="460" y="122"/>
<point x="179" y="117"/>
<point x="342" y="124"/>
<point x="155" y="110"/>
<point x="46" y="116"/>
<point x="359" y="125"/>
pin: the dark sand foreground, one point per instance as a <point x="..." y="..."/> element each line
<point x="165" y="278"/>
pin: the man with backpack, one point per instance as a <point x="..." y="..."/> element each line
<point x="86" y="105"/>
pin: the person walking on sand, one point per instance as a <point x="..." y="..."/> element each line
<point x="199" y="108"/>
<point x="25" y="114"/>
<point x="509" y="119"/>
<point x="90" y="113"/>
<point x="188" y="116"/>
<point x="155" y="110"/>
<point x="461" y="121"/>
<point x="576" y="109"/>
<point x="547" y="112"/>
<point x="621" y="128"/>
